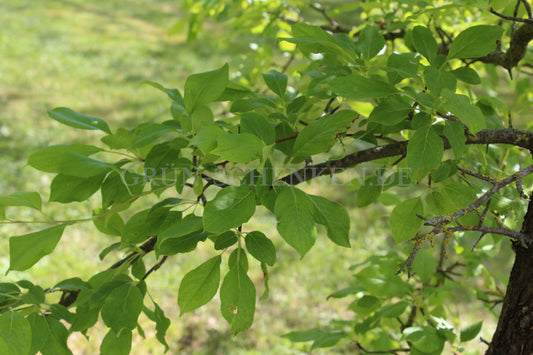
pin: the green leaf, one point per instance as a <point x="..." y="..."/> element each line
<point x="425" y="339"/>
<point x="237" y="299"/>
<point x="276" y="81"/>
<point x="56" y="343"/>
<point x="425" y="43"/>
<point x="162" y="324"/>
<point x="461" y="107"/>
<point x="238" y="259"/>
<point x="201" y="117"/>
<point x="260" y="247"/>
<point x="77" y="120"/>
<point x="118" y="188"/>
<point x="114" y="344"/>
<point x="189" y="224"/>
<point x="424" y="152"/>
<point x="121" y="139"/>
<point x="370" y="42"/>
<point x="203" y="88"/>
<point x="148" y="134"/>
<point x="470" y="331"/>
<point x="200" y="285"/>
<point x="404" y="221"/>
<point x="230" y="208"/>
<point x="239" y="148"/>
<point x="439" y="79"/>
<point x="319" y="136"/>
<point x="334" y="216"/>
<point x="302" y="336"/>
<point x="39" y="332"/>
<point x="225" y="240"/>
<point x="69" y="160"/>
<point x="67" y="189"/>
<point x="424" y="265"/>
<point x="475" y="41"/>
<point x="256" y="124"/>
<point x="294" y="210"/>
<point x="369" y="191"/>
<point x="28" y="249"/>
<point x="122" y="307"/>
<point x="390" y="111"/>
<point x="206" y="139"/>
<point x="455" y="133"/>
<point x="328" y="339"/>
<point x="15" y="333"/>
<point x="468" y="75"/>
<point x="401" y="65"/>
<point x="28" y="199"/>
<point x="393" y="310"/>
<point x="355" y="86"/>
<point x="110" y="223"/>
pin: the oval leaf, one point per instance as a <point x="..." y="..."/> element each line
<point x="77" y="120"/>
<point x="200" y="285"/>
<point x="230" y="208"/>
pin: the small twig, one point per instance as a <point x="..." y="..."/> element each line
<point x="511" y="18"/>
<point x="528" y="9"/>
<point x="155" y="267"/>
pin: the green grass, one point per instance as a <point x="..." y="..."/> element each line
<point x="92" y="57"/>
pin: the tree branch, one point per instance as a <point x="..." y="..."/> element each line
<point x="520" y="38"/>
<point x="523" y="139"/>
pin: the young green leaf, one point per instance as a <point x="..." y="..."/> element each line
<point x="50" y="159"/>
<point x="161" y="321"/>
<point x="230" y="208"/>
<point x="114" y="344"/>
<point x="355" y="86"/>
<point x="148" y="134"/>
<point x="122" y="307"/>
<point x="206" y="138"/>
<point x="475" y="41"/>
<point x="276" y="81"/>
<point x="39" y="332"/>
<point x="455" y="133"/>
<point x="294" y="211"/>
<point x="200" y="285"/>
<point x="404" y="221"/>
<point x="334" y="216"/>
<point x="77" y="120"/>
<point x="319" y="136"/>
<point x="425" y="43"/>
<point x="237" y="299"/>
<point x="424" y="152"/>
<point x="461" y="107"/>
<point x="424" y="339"/>
<point x="15" y="333"/>
<point x="390" y="111"/>
<point x="439" y="79"/>
<point x="467" y="75"/>
<point x="65" y="188"/>
<point x="27" y="199"/>
<point x="254" y="123"/>
<point x="370" y="42"/>
<point x="239" y="148"/>
<point x="260" y="247"/>
<point x="470" y="331"/>
<point x="56" y="342"/>
<point x="28" y="249"/>
<point x="402" y="65"/>
<point x="203" y="88"/>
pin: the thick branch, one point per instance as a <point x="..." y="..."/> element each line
<point x="520" y="38"/>
<point x="523" y="139"/>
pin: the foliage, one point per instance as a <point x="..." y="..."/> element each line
<point x="399" y="89"/>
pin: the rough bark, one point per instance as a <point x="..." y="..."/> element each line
<point x="514" y="333"/>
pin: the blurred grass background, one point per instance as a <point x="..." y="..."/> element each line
<point x="92" y="57"/>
